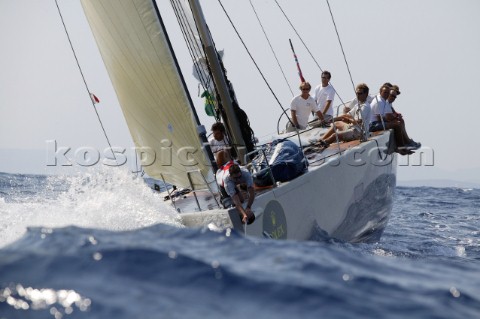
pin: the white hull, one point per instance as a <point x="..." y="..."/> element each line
<point x="349" y="197"/>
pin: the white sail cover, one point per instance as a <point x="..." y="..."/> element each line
<point x="152" y="95"/>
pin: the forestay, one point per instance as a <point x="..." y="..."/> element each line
<point x="141" y="65"/>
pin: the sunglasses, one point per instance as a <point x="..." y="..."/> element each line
<point x="306" y="89"/>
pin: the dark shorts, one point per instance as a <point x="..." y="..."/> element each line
<point x="376" y="126"/>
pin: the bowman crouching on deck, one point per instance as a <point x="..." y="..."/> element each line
<point x="235" y="182"/>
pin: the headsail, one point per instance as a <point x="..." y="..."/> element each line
<point x="156" y="105"/>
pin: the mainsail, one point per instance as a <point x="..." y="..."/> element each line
<point x="156" y="105"/>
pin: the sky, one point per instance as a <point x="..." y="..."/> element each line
<point x="429" y="48"/>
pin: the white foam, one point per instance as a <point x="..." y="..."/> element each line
<point x="109" y="198"/>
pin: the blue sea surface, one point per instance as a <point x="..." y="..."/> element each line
<point x="103" y="245"/>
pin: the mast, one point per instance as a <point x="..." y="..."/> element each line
<point x="202" y="133"/>
<point x="219" y="79"/>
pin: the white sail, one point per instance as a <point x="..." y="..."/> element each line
<point x="151" y="92"/>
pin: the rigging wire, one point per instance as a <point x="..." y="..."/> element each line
<point x="253" y="60"/>
<point x="341" y="46"/>
<point x="194" y="48"/>
<point x="198" y="55"/>
<point x="308" y="50"/>
<point x="273" y="51"/>
<point x="298" y="35"/>
<point x="84" y="80"/>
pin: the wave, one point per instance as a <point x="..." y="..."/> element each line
<point x="166" y="271"/>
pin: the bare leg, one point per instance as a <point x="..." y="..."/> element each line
<point x="330" y="137"/>
<point x="328" y="134"/>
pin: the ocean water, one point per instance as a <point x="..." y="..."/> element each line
<point x="103" y="245"/>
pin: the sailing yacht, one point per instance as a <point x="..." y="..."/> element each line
<point x="346" y="191"/>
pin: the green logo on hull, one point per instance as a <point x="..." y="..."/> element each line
<point x="274" y="221"/>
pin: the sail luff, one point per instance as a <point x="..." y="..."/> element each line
<point x="202" y="134"/>
<point x="151" y="91"/>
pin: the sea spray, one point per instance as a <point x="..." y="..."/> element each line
<point x="107" y="198"/>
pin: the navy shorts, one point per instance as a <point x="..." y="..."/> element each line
<point x="376" y="126"/>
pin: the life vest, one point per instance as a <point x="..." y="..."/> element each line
<point x="224" y="169"/>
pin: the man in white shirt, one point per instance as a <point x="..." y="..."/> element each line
<point x="385" y="118"/>
<point x="324" y="96"/>
<point x="395" y="121"/>
<point x="352" y="125"/>
<point x="219" y="140"/>
<point x="302" y="106"/>
<point x="380" y="107"/>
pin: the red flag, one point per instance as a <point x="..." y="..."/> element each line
<point x="95" y="99"/>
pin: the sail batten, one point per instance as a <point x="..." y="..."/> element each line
<point x="150" y="89"/>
